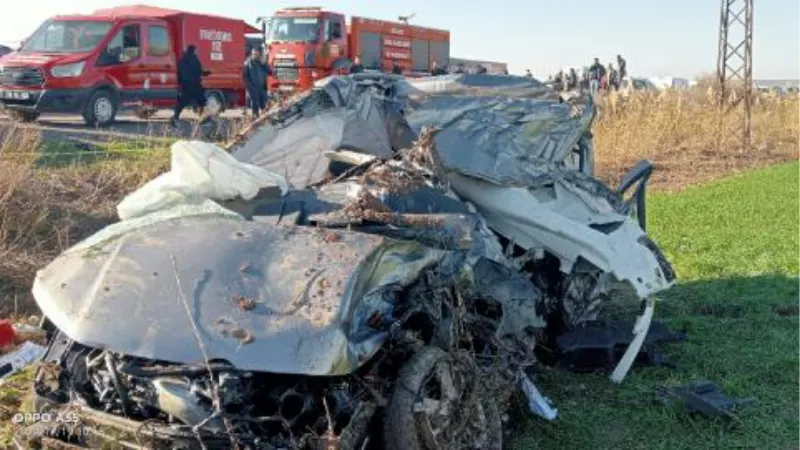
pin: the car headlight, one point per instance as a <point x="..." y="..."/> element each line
<point x="67" y="70"/>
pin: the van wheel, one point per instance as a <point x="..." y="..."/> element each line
<point x="101" y="109"/>
<point x="215" y="104"/>
<point x="23" y="116"/>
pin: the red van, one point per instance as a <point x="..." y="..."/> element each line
<point x="121" y="58"/>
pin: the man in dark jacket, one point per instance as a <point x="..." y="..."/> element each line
<point x="255" y="75"/>
<point x="190" y="83"/>
<point x="396" y="69"/>
<point x="596" y="73"/>
<point x="622" y="67"/>
<point x="356" y="67"/>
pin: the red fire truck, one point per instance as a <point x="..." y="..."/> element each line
<point x="307" y="44"/>
<point x="119" y="58"/>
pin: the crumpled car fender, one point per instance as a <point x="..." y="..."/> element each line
<point x="570" y="224"/>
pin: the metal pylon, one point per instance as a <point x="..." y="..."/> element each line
<point x="735" y="71"/>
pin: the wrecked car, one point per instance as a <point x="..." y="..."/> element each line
<point x="371" y="268"/>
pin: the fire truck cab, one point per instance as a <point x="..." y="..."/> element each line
<point x="307" y="44"/>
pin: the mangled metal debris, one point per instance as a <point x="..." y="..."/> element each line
<point x="599" y="345"/>
<point x="706" y="398"/>
<point x="377" y="252"/>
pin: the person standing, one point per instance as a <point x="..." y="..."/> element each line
<point x="596" y="73"/>
<point x="613" y="77"/>
<point x="255" y="75"/>
<point x="356" y="67"/>
<point x="396" y="69"/>
<point x="436" y="70"/>
<point x="528" y="73"/>
<point x="572" y="79"/>
<point x="190" y="83"/>
<point x="623" y="67"/>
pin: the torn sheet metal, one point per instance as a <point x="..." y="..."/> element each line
<point x="492" y="129"/>
<point x="346" y="114"/>
<point x="476" y="85"/>
<point x="313" y="295"/>
<point x="570" y="223"/>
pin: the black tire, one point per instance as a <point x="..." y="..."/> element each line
<point x="23" y="116"/>
<point x="402" y="429"/>
<point x="101" y="109"/>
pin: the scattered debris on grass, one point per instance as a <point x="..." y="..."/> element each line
<point x="706" y="398"/>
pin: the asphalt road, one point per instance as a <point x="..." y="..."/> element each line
<point x="127" y="127"/>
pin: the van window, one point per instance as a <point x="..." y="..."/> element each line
<point x="67" y="36"/>
<point x="159" y="41"/>
<point x="123" y="48"/>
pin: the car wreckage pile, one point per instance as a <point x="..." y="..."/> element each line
<point x="374" y="266"/>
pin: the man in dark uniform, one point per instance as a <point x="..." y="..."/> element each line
<point x="255" y="75"/>
<point x="190" y="83"/>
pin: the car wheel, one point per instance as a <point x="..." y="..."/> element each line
<point x="23" y="116"/>
<point x="215" y="104"/>
<point x="432" y="406"/>
<point x="101" y="109"/>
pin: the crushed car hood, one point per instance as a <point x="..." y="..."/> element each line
<point x="312" y="292"/>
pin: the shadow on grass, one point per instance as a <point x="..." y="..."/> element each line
<point x="738" y="337"/>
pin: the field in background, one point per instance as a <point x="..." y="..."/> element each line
<point x="734" y="245"/>
<point x="677" y="130"/>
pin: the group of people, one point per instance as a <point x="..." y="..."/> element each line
<point x="594" y="78"/>
<point x="192" y="93"/>
<point x="436" y="68"/>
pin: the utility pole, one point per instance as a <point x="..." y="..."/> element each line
<point x="735" y="70"/>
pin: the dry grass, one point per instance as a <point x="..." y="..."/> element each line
<point x="677" y="130"/>
<point x="48" y="203"/>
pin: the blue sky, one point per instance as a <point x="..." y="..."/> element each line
<point x="658" y="38"/>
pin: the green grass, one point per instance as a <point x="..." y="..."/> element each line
<point x="71" y="153"/>
<point x="734" y="245"/>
